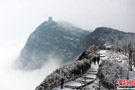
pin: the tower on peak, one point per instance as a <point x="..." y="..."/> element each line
<point x="50" y="19"/>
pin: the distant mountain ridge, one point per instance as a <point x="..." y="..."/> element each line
<point x="101" y="35"/>
<point x="57" y="39"/>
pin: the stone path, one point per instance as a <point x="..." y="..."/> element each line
<point x="89" y="80"/>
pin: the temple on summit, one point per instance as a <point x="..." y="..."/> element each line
<point x="50" y="19"/>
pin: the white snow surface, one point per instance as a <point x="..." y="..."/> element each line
<point x="75" y="83"/>
<point x="89" y="74"/>
<point x="104" y="55"/>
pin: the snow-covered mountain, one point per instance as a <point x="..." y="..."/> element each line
<point x="65" y="42"/>
<point x="103" y="35"/>
<point x="70" y="71"/>
<point x="109" y="70"/>
<point x="59" y="39"/>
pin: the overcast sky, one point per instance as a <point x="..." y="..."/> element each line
<point x="21" y="17"/>
<point x="18" y="18"/>
<point x="25" y="15"/>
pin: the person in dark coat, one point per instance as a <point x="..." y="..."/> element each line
<point x="94" y="60"/>
<point x="62" y="83"/>
<point x="98" y="59"/>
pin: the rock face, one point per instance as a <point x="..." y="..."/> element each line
<point x="62" y="40"/>
<point x="102" y="35"/>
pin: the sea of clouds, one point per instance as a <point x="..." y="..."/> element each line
<point x="14" y="79"/>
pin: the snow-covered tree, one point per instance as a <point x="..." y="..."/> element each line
<point x="130" y="54"/>
<point x="109" y="72"/>
<point x="70" y="71"/>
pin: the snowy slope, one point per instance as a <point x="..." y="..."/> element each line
<point x="104" y="55"/>
<point x="89" y="74"/>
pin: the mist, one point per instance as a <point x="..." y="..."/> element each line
<point x="14" y="79"/>
<point x="19" y="18"/>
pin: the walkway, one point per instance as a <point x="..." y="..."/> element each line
<point x="88" y="80"/>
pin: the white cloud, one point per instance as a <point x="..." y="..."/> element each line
<point x="11" y="79"/>
<point x="18" y="18"/>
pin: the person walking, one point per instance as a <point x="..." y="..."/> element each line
<point x="62" y="83"/>
<point x="94" y="60"/>
<point x="98" y="60"/>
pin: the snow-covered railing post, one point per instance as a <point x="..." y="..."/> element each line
<point x="99" y="84"/>
<point x="81" y="78"/>
<point x="115" y="83"/>
<point x="128" y="72"/>
<point x="73" y="77"/>
<point x="85" y="82"/>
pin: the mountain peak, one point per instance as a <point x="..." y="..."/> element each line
<point x="102" y="35"/>
<point x="107" y="30"/>
<point x="52" y="38"/>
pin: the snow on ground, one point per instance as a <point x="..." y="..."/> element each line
<point x="88" y="74"/>
<point x="116" y="56"/>
<point x="110" y="55"/>
<point x="104" y="55"/>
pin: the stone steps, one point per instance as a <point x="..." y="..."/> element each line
<point x="70" y="87"/>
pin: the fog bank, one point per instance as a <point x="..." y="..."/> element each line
<point x="12" y="79"/>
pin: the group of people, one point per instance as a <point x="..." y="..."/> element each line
<point x="96" y="59"/>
